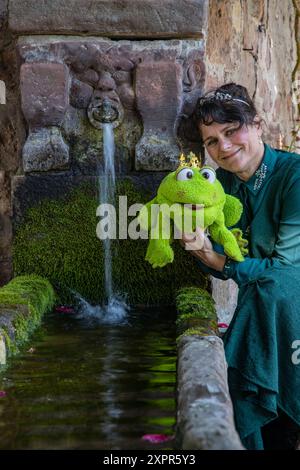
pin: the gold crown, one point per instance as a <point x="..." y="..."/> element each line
<point x="191" y="161"/>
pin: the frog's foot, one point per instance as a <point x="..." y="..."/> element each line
<point x="232" y="249"/>
<point x="160" y="256"/>
<point x="235" y="254"/>
<point x="242" y="242"/>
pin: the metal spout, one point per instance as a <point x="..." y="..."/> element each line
<point x="107" y="112"/>
<point x="102" y="111"/>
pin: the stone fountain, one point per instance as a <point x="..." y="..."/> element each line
<point x="76" y="74"/>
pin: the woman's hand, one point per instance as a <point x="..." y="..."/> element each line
<point x="200" y="246"/>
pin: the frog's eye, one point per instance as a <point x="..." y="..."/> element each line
<point x="185" y="174"/>
<point x="209" y="174"/>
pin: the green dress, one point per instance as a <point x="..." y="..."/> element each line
<point x="262" y="343"/>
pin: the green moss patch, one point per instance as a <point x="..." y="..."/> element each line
<point x="23" y="301"/>
<point x="57" y="240"/>
<point x="196" y="312"/>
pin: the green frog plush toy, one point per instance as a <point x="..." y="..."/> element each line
<point x="193" y="194"/>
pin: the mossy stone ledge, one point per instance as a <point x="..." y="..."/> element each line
<point x="196" y="314"/>
<point x="23" y="302"/>
<point x="204" y="409"/>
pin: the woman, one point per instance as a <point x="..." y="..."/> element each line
<point x="263" y="370"/>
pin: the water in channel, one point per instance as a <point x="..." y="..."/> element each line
<point x="82" y="384"/>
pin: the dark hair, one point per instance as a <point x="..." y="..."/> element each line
<point x="228" y="103"/>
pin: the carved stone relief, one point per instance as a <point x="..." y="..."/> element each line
<point x="70" y="87"/>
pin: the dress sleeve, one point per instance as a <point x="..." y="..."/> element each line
<point x="287" y="247"/>
<point x="241" y="272"/>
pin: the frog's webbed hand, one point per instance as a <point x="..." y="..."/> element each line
<point x="159" y="253"/>
<point x="223" y="236"/>
<point x="242" y="242"/>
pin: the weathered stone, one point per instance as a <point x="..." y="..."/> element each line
<point x="80" y="94"/>
<point x="159" y="107"/>
<point x="6" y="237"/>
<point x="3" y="12"/>
<point x="204" y="409"/>
<point x="103" y="69"/>
<point x="225" y="295"/>
<point x="45" y="150"/>
<point x="8" y="314"/>
<point x="113" y="18"/>
<point x="45" y="94"/>
<point x="12" y="138"/>
<point x="256" y="42"/>
<point x="5" y="229"/>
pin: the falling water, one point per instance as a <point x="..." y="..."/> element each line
<point x="107" y="186"/>
<point x="115" y="307"/>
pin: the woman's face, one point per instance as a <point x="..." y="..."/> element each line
<point x="238" y="150"/>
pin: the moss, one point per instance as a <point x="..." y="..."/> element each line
<point x="198" y="331"/>
<point x="86" y="143"/>
<point x="196" y="312"/>
<point x="196" y="302"/>
<point x="10" y="345"/>
<point x="57" y="240"/>
<point x="33" y="292"/>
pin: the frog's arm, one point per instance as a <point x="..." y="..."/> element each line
<point x="232" y="210"/>
<point x="220" y="234"/>
<point x="159" y="251"/>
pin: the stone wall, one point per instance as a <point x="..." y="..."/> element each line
<point x="254" y="43"/>
<point x="12" y="135"/>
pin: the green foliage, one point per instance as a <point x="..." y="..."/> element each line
<point x="57" y="240"/>
<point x="32" y="291"/>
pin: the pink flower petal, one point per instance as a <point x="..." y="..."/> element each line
<point x="222" y="325"/>
<point x="2" y="393"/>
<point x="157" y="438"/>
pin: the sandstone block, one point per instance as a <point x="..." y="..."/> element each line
<point x="3" y="12"/>
<point x="113" y="18"/>
<point x="45" y="150"/>
<point x="159" y="107"/>
<point x="204" y="409"/>
<point x="45" y="94"/>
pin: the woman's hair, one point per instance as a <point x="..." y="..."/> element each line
<point x="228" y="103"/>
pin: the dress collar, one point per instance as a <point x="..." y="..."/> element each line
<point x="262" y="174"/>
